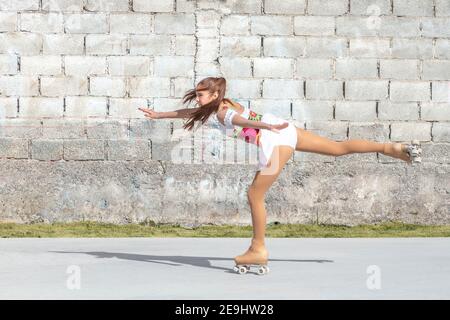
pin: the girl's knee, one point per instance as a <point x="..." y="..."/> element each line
<point x="253" y="194"/>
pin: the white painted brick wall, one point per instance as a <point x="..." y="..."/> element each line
<point x="386" y="26"/>
<point x="67" y="44"/>
<point x="407" y="131"/>
<point x="370" y="7"/>
<point x="278" y="107"/>
<point x="369" y="47"/>
<point x="314" y="68"/>
<point x="185" y="45"/>
<point x="86" y="23"/>
<point x="325" y="47"/>
<point x="442" y="49"/>
<point x="22" y="43"/>
<point x="283" y="89"/>
<point x="352" y="68"/>
<point x="149" y="44"/>
<point x="41" y="22"/>
<point x="127" y="107"/>
<point x="63" y="5"/>
<point x="8" y="64"/>
<point x="441" y="131"/>
<point x="336" y="61"/>
<point x="107" y="5"/>
<point x="207" y="49"/>
<point x="237" y="67"/>
<point x="240" y="46"/>
<point x="180" y="85"/>
<point x="64" y="86"/>
<point x="271" y="25"/>
<point x="314" y="25"/>
<point x="107" y="86"/>
<point x="106" y="44"/>
<point x="9" y="5"/>
<point x="435" y="111"/>
<point x="173" y="66"/>
<point x="366" y="89"/>
<point x="436" y="70"/>
<point x="153" y="6"/>
<point x="18" y="85"/>
<point x="441" y="91"/>
<point x="412" y="48"/>
<point x="399" y="69"/>
<point x="8" y="108"/>
<point x="413" y="7"/>
<point x="177" y="23"/>
<point x="149" y="87"/>
<point x="235" y="25"/>
<point x="36" y="107"/>
<point x="410" y="91"/>
<point x="356" y="110"/>
<point x="273" y="68"/>
<point x="83" y="107"/>
<point x="85" y="65"/>
<point x="388" y="110"/>
<point x="436" y="27"/>
<point x="136" y="23"/>
<point x="244" y="88"/>
<point x="328" y="7"/>
<point x="285" y="7"/>
<point x="283" y="46"/>
<point x="129" y="65"/>
<point x="310" y="110"/>
<point x="442" y="8"/>
<point x="324" y="90"/>
<point x="41" y="65"/>
<point x="8" y="21"/>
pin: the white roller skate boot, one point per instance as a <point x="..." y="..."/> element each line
<point x="414" y="151"/>
<point x="406" y="152"/>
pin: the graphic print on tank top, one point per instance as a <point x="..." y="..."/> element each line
<point x="214" y="143"/>
<point x="249" y="135"/>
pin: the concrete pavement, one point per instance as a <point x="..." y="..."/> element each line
<point x="202" y="268"/>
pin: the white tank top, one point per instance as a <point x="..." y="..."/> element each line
<point x="249" y="135"/>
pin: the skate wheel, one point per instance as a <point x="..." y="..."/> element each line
<point x="263" y="270"/>
<point x="242" y="270"/>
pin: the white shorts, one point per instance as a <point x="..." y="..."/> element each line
<point x="269" y="139"/>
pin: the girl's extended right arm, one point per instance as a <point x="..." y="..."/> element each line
<point x="180" y="113"/>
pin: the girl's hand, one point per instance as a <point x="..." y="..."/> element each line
<point x="277" y="127"/>
<point x="149" y="113"/>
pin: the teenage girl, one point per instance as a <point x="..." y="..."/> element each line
<point x="276" y="140"/>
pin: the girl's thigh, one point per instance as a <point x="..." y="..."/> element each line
<point x="265" y="177"/>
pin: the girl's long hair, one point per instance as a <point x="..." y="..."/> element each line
<point x="212" y="85"/>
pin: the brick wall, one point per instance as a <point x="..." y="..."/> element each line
<point x="73" y="72"/>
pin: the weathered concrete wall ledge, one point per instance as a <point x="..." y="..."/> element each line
<point x="348" y="191"/>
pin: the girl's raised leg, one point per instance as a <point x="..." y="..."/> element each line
<point x="310" y="142"/>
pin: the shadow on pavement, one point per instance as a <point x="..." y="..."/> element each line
<point x="203" y="262"/>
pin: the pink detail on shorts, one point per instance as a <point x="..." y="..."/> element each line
<point x="250" y="135"/>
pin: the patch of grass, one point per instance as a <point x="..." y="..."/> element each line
<point x="274" y="230"/>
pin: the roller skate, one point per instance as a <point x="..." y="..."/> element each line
<point x="255" y="258"/>
<point x="414" y="151"/>
<point x="408" y="152"/>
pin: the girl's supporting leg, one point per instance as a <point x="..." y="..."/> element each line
<point x="310" y="142"/>
<point x="257" y="252"/>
